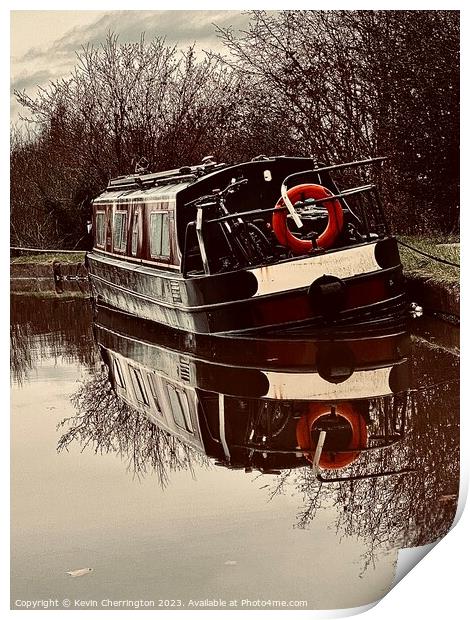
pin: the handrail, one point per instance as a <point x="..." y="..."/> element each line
<point x="300" y="451"/>
<point x="138" y="182"/>
<point x="350" y="164"/>
<point x="378" y="474"/>
<point x="347" y="192"/>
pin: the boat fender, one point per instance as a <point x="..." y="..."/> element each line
<point x="328" y="294"/>
<point x="335" y="362"/>
<point x="330" y="459"/>
<point x="326" y="238"/>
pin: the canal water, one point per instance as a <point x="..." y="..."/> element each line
<point x="218" y="493"/>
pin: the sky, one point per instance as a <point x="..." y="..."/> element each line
<point x="44" y="43"/>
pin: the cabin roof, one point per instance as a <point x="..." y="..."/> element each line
<point x="166" y="184"/>
<point x="184" y="174"/>
<point x="156" y="193"/>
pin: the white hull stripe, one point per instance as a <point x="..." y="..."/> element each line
<point x="310" y="386"/>
<point x="301" y="273"/>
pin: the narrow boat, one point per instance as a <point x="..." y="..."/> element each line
<point x="266" y="245"/>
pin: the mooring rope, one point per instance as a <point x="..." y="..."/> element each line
<point x="424" y="388"/>
<point x="436" y="258"/>
<point x="406" y="245"/>
<point x="39" y="250"/>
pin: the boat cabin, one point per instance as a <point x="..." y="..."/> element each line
<point x="264" y="244"/>
<point x="215" y="218"/>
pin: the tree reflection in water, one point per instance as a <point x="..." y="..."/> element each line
<point x="400" y="492"/>
<point x="396" y="510"/>
<point x="109" y="425"/>
<point x="49" y="327"/>
<point x="388" y="510"/>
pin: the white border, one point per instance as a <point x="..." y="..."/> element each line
<point x="439" y="585"/>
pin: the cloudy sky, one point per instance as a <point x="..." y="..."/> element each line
<point x="44" y="43"/>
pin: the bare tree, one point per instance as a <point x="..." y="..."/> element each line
<point x="366" y="83"/>
<point x="122" y="103"/>
<point x="335" y="85"/>
<point x="108" y="425"/>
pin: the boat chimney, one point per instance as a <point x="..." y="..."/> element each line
<point x="208" y="160"/>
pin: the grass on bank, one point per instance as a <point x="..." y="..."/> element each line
<point x="50" y="294"/>
<point x="413" y="263"/>
<point x="416" y="264"/>
<point x="48" y="259"/>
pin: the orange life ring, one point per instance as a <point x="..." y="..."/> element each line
<point x="327" y="237"/>
<point x="330" y="459"/>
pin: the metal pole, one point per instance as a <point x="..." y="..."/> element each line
<point x="200" y="239"/>
<point x="318" y="451"/>
<point x="223" y="440"/>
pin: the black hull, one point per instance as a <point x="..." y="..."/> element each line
<point x="233" y="302"/>
<point x="313" y="350"/>
<point x="272" y="369"/>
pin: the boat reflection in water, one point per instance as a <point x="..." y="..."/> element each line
<point x="333" y="417"/>
<point x="264" y="404"/>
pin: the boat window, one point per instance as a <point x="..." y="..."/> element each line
<point x="153" y="391"/>
<point x="118" y="376"/>
<point x="120" y="230"/>
<point x="139" y="387"/>
<point x="99" y="233"/>
<point x="135" y="232"/>
<point x="159" y="234"/>
<point x="180" y="408"/>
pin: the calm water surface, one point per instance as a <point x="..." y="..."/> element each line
<point x="189" y="515"/>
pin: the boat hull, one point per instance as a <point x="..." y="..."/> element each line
<point x="344" y="286"/>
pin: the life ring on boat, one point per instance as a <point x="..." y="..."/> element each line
<point x="330" y="459"/>
<point x="327" y="237"/>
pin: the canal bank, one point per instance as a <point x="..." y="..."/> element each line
<point x="432" y="274"/>
<point x="434" y="286"/>
<point x="436" y="297"/>
<point x="49" y="274"/>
